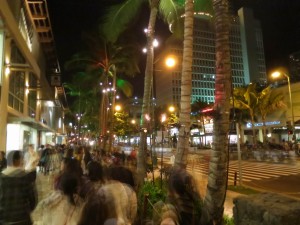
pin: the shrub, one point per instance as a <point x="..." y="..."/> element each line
<point x="228" y="220"/>
<point x="155" y="194"/>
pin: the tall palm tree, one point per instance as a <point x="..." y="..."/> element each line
<point x="83" y="103"/>
<point x="217" y="179"/>
<point x="117" y="20"/>
<point x="105" y="59"/>
<point x="186" y="87"/>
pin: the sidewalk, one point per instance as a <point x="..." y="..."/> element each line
<point x="201" y="182"/>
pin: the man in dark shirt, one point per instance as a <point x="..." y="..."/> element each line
<point x="3" y="162"/>
<point x="17" y="193"/>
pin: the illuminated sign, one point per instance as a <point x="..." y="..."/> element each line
<point x="249" y="125"/>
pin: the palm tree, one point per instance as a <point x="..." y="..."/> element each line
<point x="245" y="98"/>
<point x="240" y="116"/>
<point x="104" y="60"/>
<point x="268" y="102"/>
<point x="118" y="18"/>
<point x="217" y="179"/>
<point x="186" y="84"/>
<point x="84" y="103"/>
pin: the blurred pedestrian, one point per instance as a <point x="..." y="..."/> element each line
<point x="123" y="157"/>
<point x="44" y="161"/>
<point x="87" y="157"/>
<point x="17" y="195"/>
<point x="183" y="195"/>
<point x="102" y="208"/>
<point x="71" y="165"/>
<point x="172" y="159"/>
<point x="31" y="159"/>
<point x="164" y="214"/>
<point x="69" y="153"/>
<point x="40" y="150"/>
<point x="95" y="178"/>
<point x="121" y="179"/>
<point x="3" y="161"/>
<point x="63" y="206"/>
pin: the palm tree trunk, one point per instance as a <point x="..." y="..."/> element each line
<point x="217" y="180"/>
<point x="141" y="163"/>
<point x="242" y="140"/>
<point x="103" y="119"/>
<point x="112" y="113"/>
<point x="254" y="141"/>
<point x="186" y="87"/>
<point x="264" y="129"/>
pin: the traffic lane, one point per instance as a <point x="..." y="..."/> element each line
<point x="286" y="185"/>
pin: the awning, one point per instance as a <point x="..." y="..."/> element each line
<point x="31" y="123"/>
<point x="297" y="122"/>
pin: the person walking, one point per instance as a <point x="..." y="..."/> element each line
<point x="62" y="206"/>
<point x="3" y="161"/>
<point x="17" y="194"/>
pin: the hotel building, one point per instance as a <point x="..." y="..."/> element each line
<point x="247" y="61"/>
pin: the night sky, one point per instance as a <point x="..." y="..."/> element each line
<point x="280" y="21"/>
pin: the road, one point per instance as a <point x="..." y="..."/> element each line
<point x="251" y="171"/>
<point x="280" y="177"/>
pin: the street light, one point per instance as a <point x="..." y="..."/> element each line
<point x="170" y="61"/>
<point x="277" y="74"/>
<point x="171" y="109"/>
<point x="163" y="119"/>
<point x="118" y="108"/>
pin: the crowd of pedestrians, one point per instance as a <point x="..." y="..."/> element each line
<point x="89" y="188"/>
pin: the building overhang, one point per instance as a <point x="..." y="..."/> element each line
<point x="31" y="123"/>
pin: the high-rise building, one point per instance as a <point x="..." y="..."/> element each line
<point x="294" y="64"/>
<point x="247" y="59"/>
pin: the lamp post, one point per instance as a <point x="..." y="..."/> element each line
<point x="78" y="116"/>
<point x="163" y="119"/>
<point x="277" y="74"/>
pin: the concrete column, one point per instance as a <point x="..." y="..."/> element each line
<point x="26" y="84"/>
<point x="4" y="94"/>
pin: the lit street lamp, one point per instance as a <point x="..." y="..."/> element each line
<point x="171" y="109"/>
<point x="118" y="108"/>
<point x="277" y="74"/>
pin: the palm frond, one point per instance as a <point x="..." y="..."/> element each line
<point x="170" y="11"/>
<point x="125" y="86"/>
<point x="118" y="18"/>
<point x="204" y="6"/>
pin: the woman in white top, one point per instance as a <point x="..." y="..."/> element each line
<point x="62" y="206"/>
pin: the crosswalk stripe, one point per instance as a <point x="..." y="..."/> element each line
<point x="249" y="174"/>
<point x="267" y="170"/>
<point x="250" y="170"/>
<point x="267" y="173"/>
